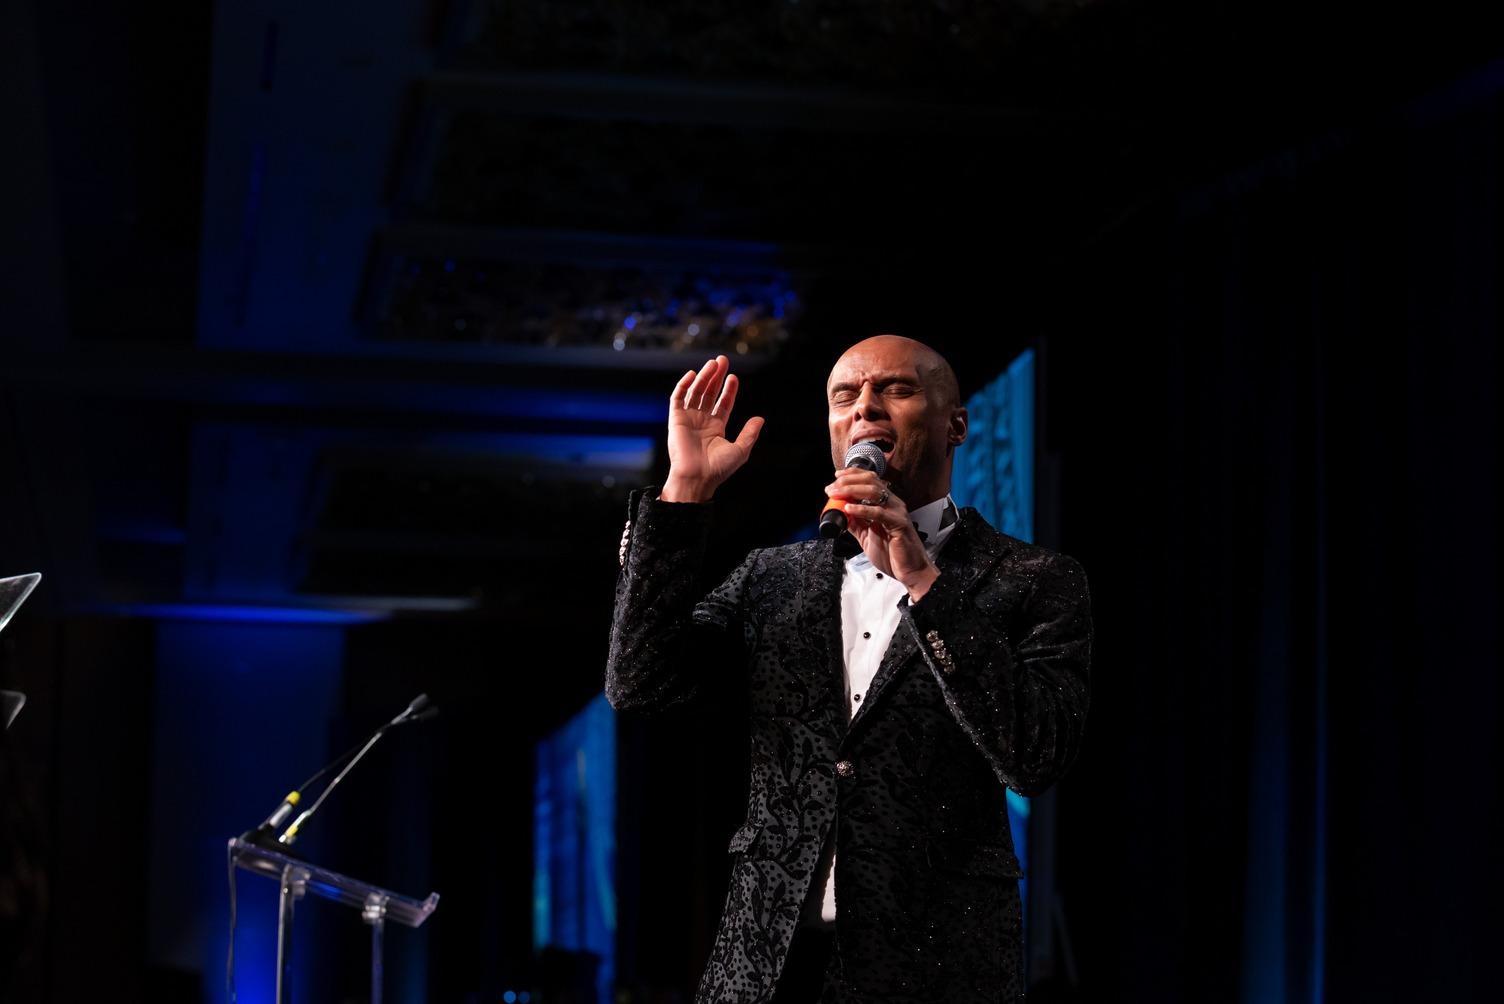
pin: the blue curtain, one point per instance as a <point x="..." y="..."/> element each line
<point x="574" y="848"/>
<point x="994" y="473"/>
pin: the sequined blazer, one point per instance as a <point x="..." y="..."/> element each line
<point x="983" y="687"/>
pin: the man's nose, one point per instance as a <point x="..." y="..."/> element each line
<point x="869" y="404"/>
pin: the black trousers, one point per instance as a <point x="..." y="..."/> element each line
<point x="803" y="975"/>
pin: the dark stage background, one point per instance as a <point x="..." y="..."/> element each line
<point x="334" y="336"/>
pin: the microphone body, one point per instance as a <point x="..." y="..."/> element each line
<point x="265" y="835"/>
<point x="867" y="456"/>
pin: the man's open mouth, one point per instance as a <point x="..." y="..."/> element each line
<point x="881" y="442"/>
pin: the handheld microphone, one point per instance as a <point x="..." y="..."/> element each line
<point x="866" y="455"/>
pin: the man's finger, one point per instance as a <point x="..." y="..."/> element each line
<point x="857" y="485"/>
<point x="727" y="400"/>
<point x="697" y="390"/>
<point x="681" y="388"/>
<point x="869" y="513"/>
<point x="852" y="493"/>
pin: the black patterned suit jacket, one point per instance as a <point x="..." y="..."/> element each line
<point x="983" y="687"/>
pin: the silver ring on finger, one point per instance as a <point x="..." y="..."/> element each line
<point x="882" y="499"/>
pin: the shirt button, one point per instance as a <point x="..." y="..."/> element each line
<point x="879" y="575"/>
<point x="866" y="634"/>
<point x="856" y="697"/>
<point x="845" y="768"/>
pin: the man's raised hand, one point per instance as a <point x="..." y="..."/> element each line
<point x="700" y="457"/>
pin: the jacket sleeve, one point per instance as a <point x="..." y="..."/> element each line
<point x="668" y="650"/>
<point x="1022" y="702"/>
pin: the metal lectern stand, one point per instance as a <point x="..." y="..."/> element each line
<point x="297" y="878"/>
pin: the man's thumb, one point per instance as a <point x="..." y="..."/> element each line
<point x="750" y="431"/>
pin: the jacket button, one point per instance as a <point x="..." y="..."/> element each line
<point x="845" y="768"/>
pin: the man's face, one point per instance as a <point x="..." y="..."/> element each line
<point x="884" y="389"/>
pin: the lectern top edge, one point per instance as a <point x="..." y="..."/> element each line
<point x="13" y="592"/>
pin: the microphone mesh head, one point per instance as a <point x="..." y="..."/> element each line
<point x="867" y="454"/>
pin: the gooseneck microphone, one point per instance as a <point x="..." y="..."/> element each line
<point x="420" y="709"/>
<point x="866" y="455"/>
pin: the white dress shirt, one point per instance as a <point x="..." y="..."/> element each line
<point x="869" y="616"/>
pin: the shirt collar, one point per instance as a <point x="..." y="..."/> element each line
<point x="935" y="521"/>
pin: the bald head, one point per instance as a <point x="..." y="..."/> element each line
<point x="939" y="379"/>
<point x="903" y="394"/>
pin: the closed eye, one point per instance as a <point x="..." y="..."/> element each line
<point x="846" y="394"/>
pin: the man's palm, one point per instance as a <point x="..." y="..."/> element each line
<point x="700" y="456"/>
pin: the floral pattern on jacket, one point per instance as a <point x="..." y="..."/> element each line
<point x="984" y="686"/>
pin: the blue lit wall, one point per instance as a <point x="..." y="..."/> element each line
<point x="241" y="713"/>
<point x="574" y="847"/>
<point x="994" y="473"/>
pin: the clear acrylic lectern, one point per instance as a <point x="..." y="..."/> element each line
<point x="298" y="878"/>
<point x="13" y="592"/>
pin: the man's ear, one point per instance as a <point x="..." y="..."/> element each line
<point x="959" y="426"/>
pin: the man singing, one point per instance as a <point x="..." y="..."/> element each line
<point x="900" y="679"/>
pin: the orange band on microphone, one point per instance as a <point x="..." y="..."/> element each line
<point x="834" y="504"/>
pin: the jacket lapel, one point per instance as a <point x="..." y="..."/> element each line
<point x="973" y="548"/>
<point x="821" y="607"/>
